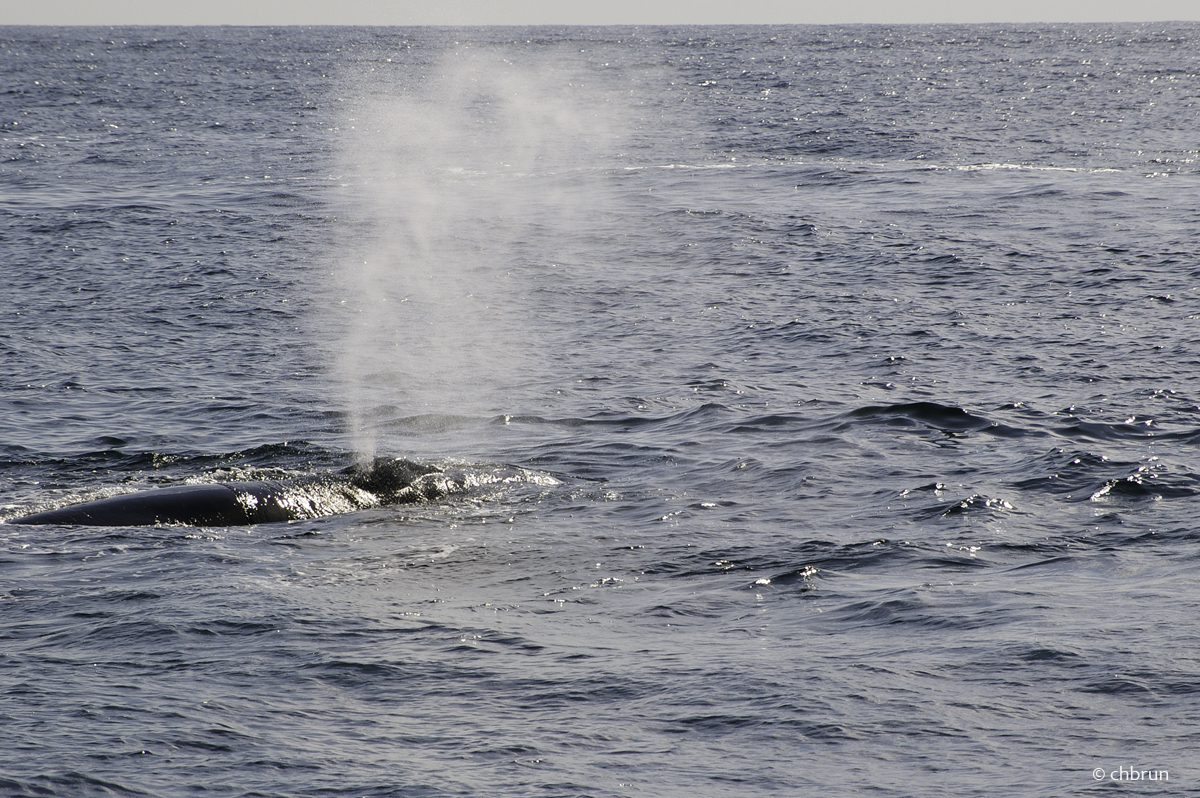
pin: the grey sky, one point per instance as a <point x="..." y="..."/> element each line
<point x="592" y="12"/>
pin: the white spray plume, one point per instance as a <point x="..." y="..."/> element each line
<point x="458" y="180"/>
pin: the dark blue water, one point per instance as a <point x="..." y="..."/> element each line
<point x="826" y="404"/>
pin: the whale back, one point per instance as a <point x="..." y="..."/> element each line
<point x="192" y="505"/>
<point x="384" y="481"/>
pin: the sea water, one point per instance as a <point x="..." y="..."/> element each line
<point x="829" y="400"/>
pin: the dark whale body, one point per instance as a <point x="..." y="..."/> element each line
<point x="241" y="503"/>
<point x="218" y="504"/>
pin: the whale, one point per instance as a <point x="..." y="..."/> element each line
<point x="381" y="482"/>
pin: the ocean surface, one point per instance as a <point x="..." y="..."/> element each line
<point x="825" y="403"/>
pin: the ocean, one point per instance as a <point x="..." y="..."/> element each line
<point x="823" y="406"/>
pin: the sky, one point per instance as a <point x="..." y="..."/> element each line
<point x="582" y="12"/>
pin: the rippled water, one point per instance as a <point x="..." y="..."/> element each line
<point x="826" y="400"/>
